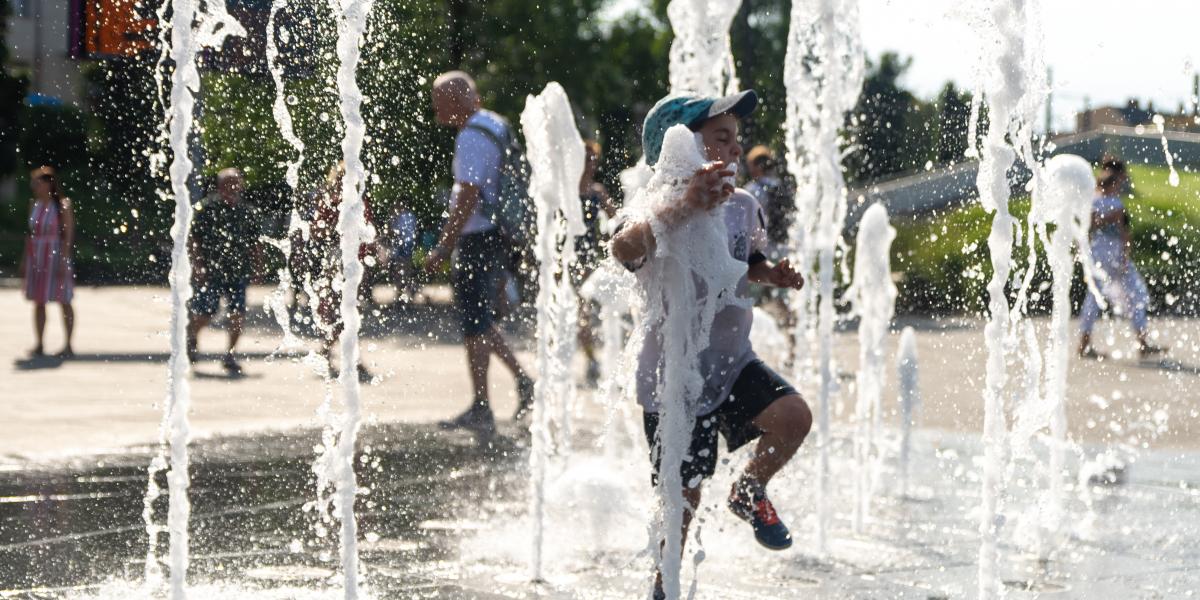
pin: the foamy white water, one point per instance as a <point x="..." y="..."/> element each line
<point x="556" y="156"/>
<point x="823" y="74"/>
<point x="693" y="273"/>
<point x="873" y="296"/>
<point x="1011" y="76"/>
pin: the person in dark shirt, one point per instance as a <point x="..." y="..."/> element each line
<point x="224" y="250"/>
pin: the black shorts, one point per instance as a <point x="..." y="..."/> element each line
<point x="477" y="265"/>
<point x="206" y="299"/>
<point x="756" y="388"/>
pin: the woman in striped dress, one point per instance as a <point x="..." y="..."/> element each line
<point x="46" y="265"/>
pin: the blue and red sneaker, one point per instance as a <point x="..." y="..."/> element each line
<point x="748" y="500"/>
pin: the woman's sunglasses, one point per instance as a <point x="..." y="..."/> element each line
<point x="46" y="177"/>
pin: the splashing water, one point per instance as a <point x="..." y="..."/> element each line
<point x="690" y="277"/>
<point x="192" y="29"/>
<point x="277" y="302"/>
<point x="1173" y="178"/>
<point x="556" y="157"/>
<point x="608" y="287"/>
<point x="768" y="339"/>
<point x="701" y="59"/>
<point x="353" y="232"/>
<point x="873" y="296"/>
<point x="1064" y="202"/>
<point x="823" y="74"/>
<point x="1011" y="76"/>
<point x="910" y="399"/>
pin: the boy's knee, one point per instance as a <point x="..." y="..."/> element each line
<point x="794" y="416"/>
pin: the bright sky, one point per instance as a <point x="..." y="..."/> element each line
<point x="1104" y="50"/>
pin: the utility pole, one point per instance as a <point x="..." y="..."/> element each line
<point x="1196" y="95"/>
<point x="1049" y="101"/>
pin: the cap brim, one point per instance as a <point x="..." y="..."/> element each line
<point x="739" y="105"/>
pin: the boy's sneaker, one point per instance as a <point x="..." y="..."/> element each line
<point x="748" y="500"/>
<point x="478" y="419"/>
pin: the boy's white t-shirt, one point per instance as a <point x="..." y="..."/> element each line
<point x="729" y="349"/>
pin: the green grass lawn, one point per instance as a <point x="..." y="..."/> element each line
<point x="945" y="265"/>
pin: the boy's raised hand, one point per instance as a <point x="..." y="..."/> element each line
<point x="784" y="276"/>
<point x="708" y="188"/>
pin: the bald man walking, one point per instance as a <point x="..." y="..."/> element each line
<point x="475" y="241"/>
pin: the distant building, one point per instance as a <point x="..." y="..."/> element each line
<point x="1134" y="115"/>
<point x="41" y="46"/>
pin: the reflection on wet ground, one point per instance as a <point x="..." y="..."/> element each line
<point x="444" y="517"/>
<point x="78" y="525"/>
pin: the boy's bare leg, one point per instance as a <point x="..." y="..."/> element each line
<point x="692" y="497"/>
<point x="785" y="424"/>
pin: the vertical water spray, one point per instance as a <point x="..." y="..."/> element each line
<point x="1173" y="175"/>
<point x="192" y="28"/>
<point x="352" y="231"/>
<point x="823" y="74"/>
<point x="556" y="157"/>
<point x="1010" y="76"/>
<point x="701" y="59"/>
<point x="910" y="400"/>
<point x="874" y="299"/>
<point x="1063" y="202"/>
<point x="277" y="302"/>
<point x="701" y="62"/>
<point x="693" y="273"/>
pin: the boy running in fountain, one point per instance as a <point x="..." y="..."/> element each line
<point x="743" y="398"/>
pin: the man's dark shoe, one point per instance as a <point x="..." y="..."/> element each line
<point x="364" y="376"/>
<point x="748" y="500"/>
<point x="231" y="366"/>
<point x="478" y="419"/>
<point x="524" y="399"/>
<point x="1148" y="351"/>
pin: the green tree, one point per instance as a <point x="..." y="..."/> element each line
<point x="954" y="114"/>
<point x="12" y="95"/>
<point x="880" y="125"/>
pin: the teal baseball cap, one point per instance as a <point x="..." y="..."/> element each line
<point x="691" y="111"/>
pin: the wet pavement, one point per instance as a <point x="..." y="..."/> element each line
<point x="445" y="517"/>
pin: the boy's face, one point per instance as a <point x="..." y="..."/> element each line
<point x="720" y="135"/>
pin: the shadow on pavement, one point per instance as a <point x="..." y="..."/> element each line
<point x="1167" y="364"/>
<point x="52" y="362"/>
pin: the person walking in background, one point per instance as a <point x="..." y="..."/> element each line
<point x="590" y="250"/>
<point x="1118" y="280"/>
<point x="773" y="196"/>
<point x="476" y="241"/>
<point x="402" y="242"/>
<point x="224" y="247"/>
<point x="46" y="264"/>
<point x="325" y="245"/>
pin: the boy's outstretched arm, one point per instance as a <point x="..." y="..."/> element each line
<point x="706" y="191"/>
<point x="780" y="274"/>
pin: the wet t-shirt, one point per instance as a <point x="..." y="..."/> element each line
<point x="729" y="349"/>
<point x="225" y="236"/>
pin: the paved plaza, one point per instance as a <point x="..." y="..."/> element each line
<point x="445" y="517"/>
